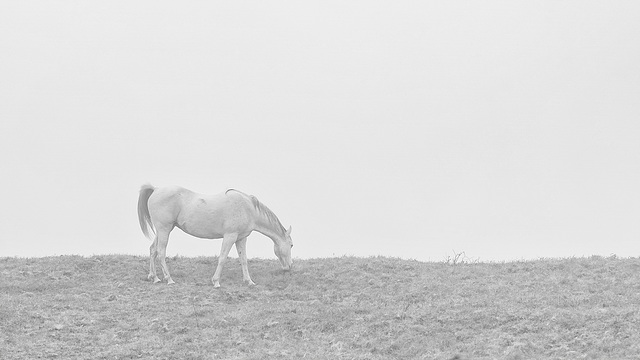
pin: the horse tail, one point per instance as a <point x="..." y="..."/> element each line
<point x="143" y="210"/>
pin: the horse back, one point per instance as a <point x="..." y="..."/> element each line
<point x="204" y="216"/>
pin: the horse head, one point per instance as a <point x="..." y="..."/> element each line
<point x="282" y="249"/>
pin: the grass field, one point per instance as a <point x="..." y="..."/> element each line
<point x="102" y="307"/>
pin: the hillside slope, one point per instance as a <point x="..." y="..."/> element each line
<point x="102" y="307"/>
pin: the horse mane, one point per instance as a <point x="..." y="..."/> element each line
<point x="263" y="210"/>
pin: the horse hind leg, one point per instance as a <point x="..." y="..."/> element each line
<point x="163" y="240"/>
<point x="153" y="254"/>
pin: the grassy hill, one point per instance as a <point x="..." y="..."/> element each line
<point x="102" y="307"/>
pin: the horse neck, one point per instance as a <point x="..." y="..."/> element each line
<point x="267" y="228"/>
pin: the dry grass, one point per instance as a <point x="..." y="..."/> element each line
<point x="101" y="307"/>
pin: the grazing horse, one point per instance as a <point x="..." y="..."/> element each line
<point x="231" y="215"/>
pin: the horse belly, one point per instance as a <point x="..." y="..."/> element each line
<point x="213" y="217"/>
<point x="202" y="225"/>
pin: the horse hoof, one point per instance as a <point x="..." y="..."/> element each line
<point x="156" y="280"/>
<point x="169" y="282"/>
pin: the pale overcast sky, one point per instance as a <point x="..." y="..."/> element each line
<point x="504" y="129"/>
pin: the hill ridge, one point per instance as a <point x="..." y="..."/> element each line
<point x="345" y="307"/>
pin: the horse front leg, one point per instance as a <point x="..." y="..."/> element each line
<point x="227" y="243"/>
<point x="241" y="247"/>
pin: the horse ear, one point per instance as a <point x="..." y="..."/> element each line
<point x="289" y="231"/>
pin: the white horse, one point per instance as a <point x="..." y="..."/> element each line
<point x="231" y="215"/>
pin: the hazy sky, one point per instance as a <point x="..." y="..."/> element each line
<point x="504" y="129"/>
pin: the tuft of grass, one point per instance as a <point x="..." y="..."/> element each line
<point x="102" y="307"/>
